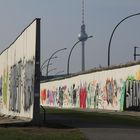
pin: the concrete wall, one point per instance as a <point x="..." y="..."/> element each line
<point x="17" y="70"/>
<point x="111" y="89"/>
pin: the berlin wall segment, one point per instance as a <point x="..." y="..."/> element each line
<point x="110" y="89"/>
<point x="17" y="74"/>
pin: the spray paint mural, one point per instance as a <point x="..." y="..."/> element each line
<point x="108" y="89"/>
<point x="0" y="92"/>
<point x="17" y="74"/>
<point x="21" y="81"/>
<point x="132" y="100"/>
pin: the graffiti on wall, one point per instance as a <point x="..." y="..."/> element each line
<point x="21" y="88"/>
<point x="5" y="86"/>
<point x="28" y="84"/>
<point x="84" y="95"/>
<point x="0" y="91"/>
<point x="108" y="93"/>
<point x="0" y="85"/>
<point x="111" y="92"/>
<point x="132" y="94"/>
<point x="19" y="64"/>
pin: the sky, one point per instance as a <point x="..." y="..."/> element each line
<point x="60" y="26"/>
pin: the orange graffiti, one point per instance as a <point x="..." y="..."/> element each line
<point x="43" y="95"/>
<point x="138" y="75"/>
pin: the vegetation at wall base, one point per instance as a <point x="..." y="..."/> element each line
<point x="96" y="116"/>
<point x="39" y="133"/>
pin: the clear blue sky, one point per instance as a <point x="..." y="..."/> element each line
<point x="60" y="26"/>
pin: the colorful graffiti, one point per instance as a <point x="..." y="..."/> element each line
<point x="43" y="96"/>
<point x="0" y="91"/>
<point x="84" y="95"/>
<point x="111" y="91"/>
<point x="19" y="64"/>
<point x="5" y="86"/>
<point x="107" y="93"/>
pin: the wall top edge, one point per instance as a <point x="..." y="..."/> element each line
<point x="98" y="69"/>
<point x="36" y="19"/>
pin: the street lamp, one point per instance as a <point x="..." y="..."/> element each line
<point x="46" y="61"/>
<point x="45" y="66"/>
<point x="135" y="53"/>
<point x="71" y="51"/>
<point x="113" y="34"/>
<point x="51" y="58"/>
<point x="59" y="72"/>
<point x="52" y="70"/>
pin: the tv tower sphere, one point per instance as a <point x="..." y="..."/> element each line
<point x="83" y="35"/>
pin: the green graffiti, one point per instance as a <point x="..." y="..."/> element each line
<point x="122" y="97"/>
<point x="96" y="97"/>
<point x="89" y="96"/>
<point x="70" y="96"/>
<point x="131" y="77"/>
<point x="5" y="86"/>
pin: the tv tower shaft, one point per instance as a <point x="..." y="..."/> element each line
<point x="83" y="37"/>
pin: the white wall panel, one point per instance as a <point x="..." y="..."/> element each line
<point x="17" y="74"/>
<point x="96" y="90"/>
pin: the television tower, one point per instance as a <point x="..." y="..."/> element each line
<point x="83" y="37"/>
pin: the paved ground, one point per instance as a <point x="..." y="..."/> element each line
<point x="130" y="113"/>
<point x="95" y="131"/>
<point x="92" y="130"/>
<point x="111" y="133"/>
<point x="11" y="121"/>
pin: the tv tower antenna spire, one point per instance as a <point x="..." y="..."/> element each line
<point x="83" y="12"/>
<point x="83" y="36"/>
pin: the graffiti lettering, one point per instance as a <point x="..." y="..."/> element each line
<point x="132" y="94"/>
